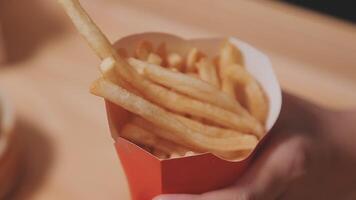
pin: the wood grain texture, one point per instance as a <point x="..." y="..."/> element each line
<point x="313" y="55"/>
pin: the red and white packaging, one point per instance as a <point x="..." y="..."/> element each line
<point x="149" y="176"/>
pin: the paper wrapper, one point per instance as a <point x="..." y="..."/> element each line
<point x="149" y="176"/>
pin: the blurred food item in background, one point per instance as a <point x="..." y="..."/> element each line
<point x="9" y="151"/>
<point x="344" y="9"/>
<point x="33" y="150"/>
<point x="25" y="26"/>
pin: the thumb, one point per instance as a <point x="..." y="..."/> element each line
<point x="283" y="161"/>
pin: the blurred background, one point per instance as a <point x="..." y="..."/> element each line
<point x="343" y="9"/>
<point x="46" y="69"/>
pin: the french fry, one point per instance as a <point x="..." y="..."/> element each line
<point x="246" y="141"/>
<point x="193" y="75"/>
<point x="161" y="51"/>
<point x="141" y="136"/>
<point x="107" y="67"/>
<point x="207" y="72"/>
<point x="238" y="74"/>
<point x="175" y="61"/>
<point x="229" y="54"/>
<point x="240" y="94"/>
<point x="237" y="155"/>
<point x="192" y="58"/>
<point x="88" y="29"/>
<point x="232" y="71"/>
<point x="178" y="132"/>
<point x="227" y="86"/>
<point x="147" y="148"/>
<point x="144" y="48"/>
<point x="174" y="69"/>
<point x="187" y="85"/>
<point x="256" y="100"/>
<point x="216" y="60"/>
<point x="174" y="155"/>
<point x="190" y="153"/>
<point x="93" y="35"/>
<point x="197" y="89"/>
<point x="160" y="154"/>
<point x="154" y="59"/>
<point x="163" y="133"/>
<point x="182" y="104"/>
<point x="170" y="147"/>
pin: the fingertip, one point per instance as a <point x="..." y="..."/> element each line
<point x="159" y="198"/>
<point x="175" y="197"/>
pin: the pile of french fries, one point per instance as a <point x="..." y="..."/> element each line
<point x="181" y="104"/>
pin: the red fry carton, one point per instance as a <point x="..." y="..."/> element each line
<point x="149" y="176"/>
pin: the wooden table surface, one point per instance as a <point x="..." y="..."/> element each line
<point x="69" y="150"/>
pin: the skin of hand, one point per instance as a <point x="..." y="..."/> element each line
<point x="310" y="154"/>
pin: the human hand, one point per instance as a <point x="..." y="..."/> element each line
<point x="311" y="154"/>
